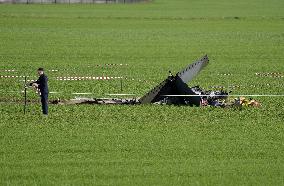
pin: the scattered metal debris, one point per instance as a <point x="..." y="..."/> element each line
<point x="175" y="91"/>
<point x="100" y="101"/>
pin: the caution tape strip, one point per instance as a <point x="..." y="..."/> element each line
<point x="13" y="76"/>
<point x="76" y="78"/>
<point x="242" y="86"/>
<point x="71" y="78"/>
<point x="8" y="70"/>
<point x="270" y="74"/>
<point x="225" y="74"/>
<point x="89" y="66"/>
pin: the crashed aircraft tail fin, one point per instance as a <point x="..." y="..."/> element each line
<point x="175" y="85"/>
<point x="193" y="69"/>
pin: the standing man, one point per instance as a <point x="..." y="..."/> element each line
<point x="42" y="86"/>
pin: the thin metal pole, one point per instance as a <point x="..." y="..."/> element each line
<point x="25" y="95"/>
<point x="121" y="85"/>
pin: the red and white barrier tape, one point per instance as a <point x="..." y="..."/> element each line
<point x="81" y="78"/>
<point x="8" y="70"/>
<point x="78" y="78"/>
<point x="228" y="74"/>
<point x="110" y="65"/>
<point x="13" y="76"/>
<point x="89" y="66"/>
<point x="270" y="74"/>
<point x="244" y="86"/>
<point x="261" y="74"/>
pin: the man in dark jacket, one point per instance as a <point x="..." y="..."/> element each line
<point x="42" y="85"/>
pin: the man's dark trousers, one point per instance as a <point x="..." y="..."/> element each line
<point x="44" y="103"/>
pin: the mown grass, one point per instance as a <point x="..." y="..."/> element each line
<point x="142" y="145"/>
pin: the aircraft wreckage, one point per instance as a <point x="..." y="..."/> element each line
<point x="175" y="91"/>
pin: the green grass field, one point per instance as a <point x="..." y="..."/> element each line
<point x="149" y="144"/>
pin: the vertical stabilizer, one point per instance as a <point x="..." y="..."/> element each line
<point x="177" y="85"/>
